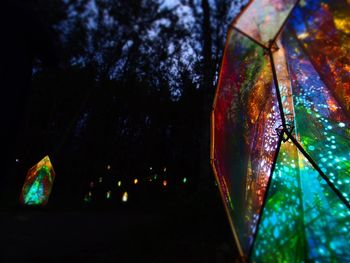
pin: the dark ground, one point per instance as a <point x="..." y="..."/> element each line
<point x="169" y="232"/>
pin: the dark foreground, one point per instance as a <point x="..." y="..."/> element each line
<point x="162" y="233"/>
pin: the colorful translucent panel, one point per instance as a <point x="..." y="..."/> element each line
<point x="303" y="220"/>
<point x="38" y="183"/>
<point x="246" y="117"/>
<point x="305" y="215"/>
<point x="263" y="19"/>
<point x="320" y="122"/>
<point x="322" y="29"/>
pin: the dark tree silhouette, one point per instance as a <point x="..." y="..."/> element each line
<point x="134" y="91"/>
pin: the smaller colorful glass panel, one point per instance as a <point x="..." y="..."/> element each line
<point x="263" y="19"/>
<point x="322" y="29"/>
<point x="246" y="117"/>
<point x="38" y="183"/>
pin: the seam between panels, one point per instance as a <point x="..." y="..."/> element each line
<point x="301" y="207"/>
<point x="224" y="53"/>
<point x="250" y="37"/>
<point x="280" y="137"/>
<point x="245" y="8"/>
<point x="273" y="41"/>
<point x="317" y="168"/>
<point x="212" y="136"/>
<point x="278" y="93"/>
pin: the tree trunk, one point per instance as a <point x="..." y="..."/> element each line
<point x="207" y="88"/>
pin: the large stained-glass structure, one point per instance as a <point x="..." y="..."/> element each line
<point x="281" y="131"/>
<point x="38" y="183"/>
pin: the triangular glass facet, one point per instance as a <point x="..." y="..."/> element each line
<point x="303" y="219"/>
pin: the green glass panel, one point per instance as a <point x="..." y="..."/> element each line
<point x="303" y="219"/>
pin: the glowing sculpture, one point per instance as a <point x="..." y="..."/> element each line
<point x="281" y="131"/>
<point x="38" y="183"/>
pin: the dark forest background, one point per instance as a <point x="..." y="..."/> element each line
<point x="130" y="98"/>
<point x="120" y="90"/>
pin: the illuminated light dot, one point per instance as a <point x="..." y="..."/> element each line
<point x="322" y="251"/>
<point x="329" y="127"/>
<point x="108" y="194"/>
<point x="136" y="181"/>
<point x="337" y="160"/>
<point x="90" y="194"/>
<point x="184" y="180"/>
<point x="333" y="147"/>
<point x="164" y="170"/>
<point x="339" y="182"/>
<point x="324" y="159"/>
<point x="100" y="180"/>
<point x="125" y="197"/>
<point x="119" y="183"/>
<point x="108" y="167"/>
<point x="87" y="198"/>
<point x="165" y="183"/>
<point x="341" y="124"/>
<point x="151" y="168"/>
<point x="293" y="165"/>
<point x="311" y="148"/>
